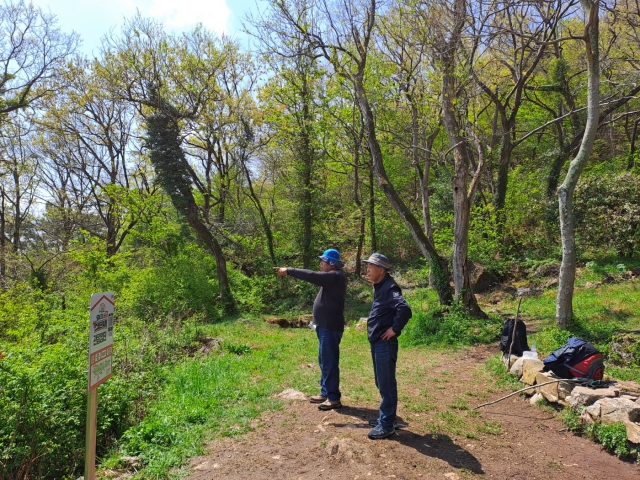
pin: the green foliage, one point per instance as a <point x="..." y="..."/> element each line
<point x="236" y="349"/>
<point x="613" y="438"/>
<point x="449" y="327"/>
<point x="42" y="406"/>
<point x="608" y="212"/>
<point x="599" y="333"/>
<point x="177" y="286"/>
<point x="571" y="419"/>
<point x="272" y="295"/>
<point x="526" y="234"/>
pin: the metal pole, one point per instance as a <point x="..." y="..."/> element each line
<point x="90" y="441"/>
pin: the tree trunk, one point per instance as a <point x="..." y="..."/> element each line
<point x="193" y="218"/>
<point x="461" y="198"/>
<point x="632" y="145"/>
<point x="424" y="175"/>
<point x="564" y="300"/>
<point x="358" y="201"/>
<point x="3" y="241"/>
<point x="263" y="218"/>
<point x="306" y="177"/>
<point x="437" y="264"/>
<point x="372" y="208"/>
<point x="503" y="173"/>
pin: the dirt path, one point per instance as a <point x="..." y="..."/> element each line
<point x="443" y="438"/>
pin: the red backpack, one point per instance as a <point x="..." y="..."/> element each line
<point x="591" y="368"/>
<point x="576" y="359"/>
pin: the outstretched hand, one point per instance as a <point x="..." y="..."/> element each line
<point x="281" y="271"/>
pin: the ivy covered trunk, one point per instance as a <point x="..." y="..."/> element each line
<point x="168" y="160"/>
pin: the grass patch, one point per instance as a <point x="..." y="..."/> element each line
<point x="613" y="438"/>
<point x="423" y="402"/>
<point x="450" y="326"/>
<point x="490" y="428"/>
<point x="459" y="403"/>
<point x="453" y="423"/>
<point x="220" y="395"/>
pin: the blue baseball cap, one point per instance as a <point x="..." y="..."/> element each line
<point x="332" y="257"/>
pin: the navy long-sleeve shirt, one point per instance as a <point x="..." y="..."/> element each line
<point x="328" y="307"/>
<point x="389" y="309"/>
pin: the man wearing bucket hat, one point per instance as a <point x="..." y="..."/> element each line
<point x="328" y="318"/>
<point x="389" y="314"/>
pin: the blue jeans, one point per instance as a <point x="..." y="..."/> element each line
<point x="384" y="354"/>
<point x="328" y="359"/>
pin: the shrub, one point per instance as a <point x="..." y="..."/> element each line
<point x="42" y="407"/>
<point x="613" y="438"/>
<point x="270" y="294"/>
<point x="608" y="211"/>
<point x="451" y="327"/>
<point x="178" y="286"/>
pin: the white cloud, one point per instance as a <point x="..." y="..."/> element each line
<point x="93" y="18"/>
<point x="214" y="14"/>
<point x="180" y="14"/>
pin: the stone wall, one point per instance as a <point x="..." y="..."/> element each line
<point x="618" y="402"/>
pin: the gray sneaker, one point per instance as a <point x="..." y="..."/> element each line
<point x="374" y="421"/>
<point x="380" y="432"/>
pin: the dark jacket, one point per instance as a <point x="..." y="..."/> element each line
<point x="389" y="309"/>
<point x="328" y="308"/>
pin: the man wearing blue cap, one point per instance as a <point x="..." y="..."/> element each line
<point x="328" y="317"/>
<point x="389" y="314"/>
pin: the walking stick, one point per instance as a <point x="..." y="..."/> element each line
<point x="513" y="334"/>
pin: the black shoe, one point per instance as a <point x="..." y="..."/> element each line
<point x="374" y="421"/>
<point x="330" y="405"/>
<point x="381" y="432"/>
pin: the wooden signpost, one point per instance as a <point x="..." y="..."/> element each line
<point x="100" y="367"/>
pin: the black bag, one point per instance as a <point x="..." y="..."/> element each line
<point x="520" y="344"/>
<point x="575" y="359"/>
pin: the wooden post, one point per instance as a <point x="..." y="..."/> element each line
<point x="90" y="441"/>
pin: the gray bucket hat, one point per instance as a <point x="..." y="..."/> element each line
<point x="379" y="260"/>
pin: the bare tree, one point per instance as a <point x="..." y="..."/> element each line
<point x="33" y="52"/>
<point x="446" y="24"/>
<point x="18" y="183"/>
<point x="511" y="37"/>
<point x="342" y="33"/>
<point x="295" y="88"/>
<point x="590" y="37"/>
<point x="95" y="130"/>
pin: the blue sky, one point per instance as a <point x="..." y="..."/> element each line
<point x="92" y="19"/>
